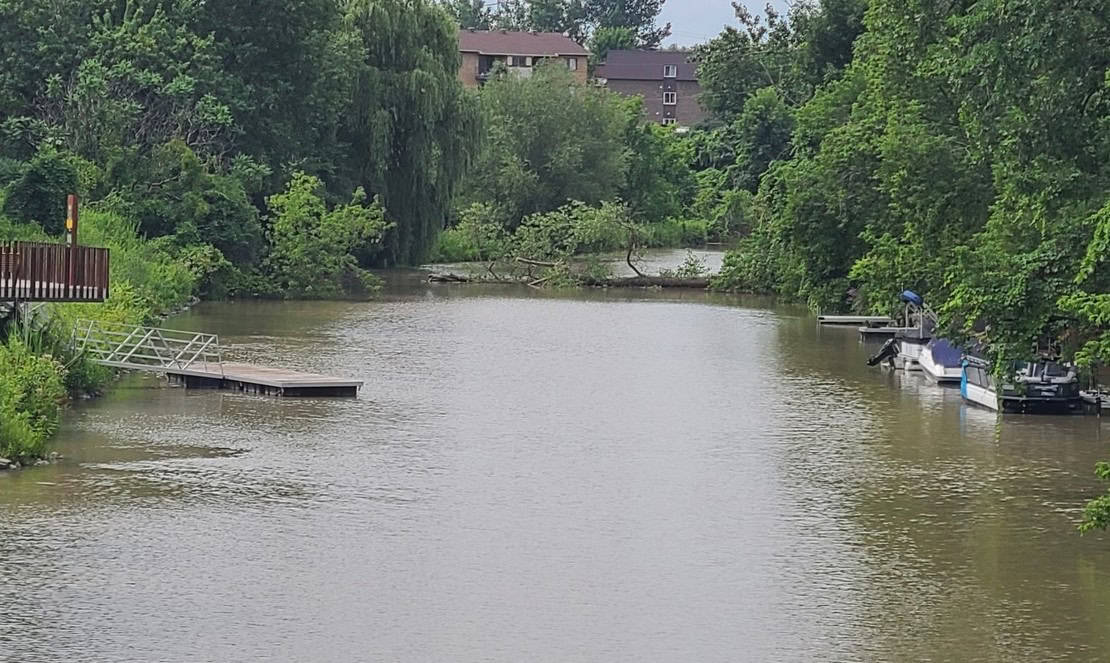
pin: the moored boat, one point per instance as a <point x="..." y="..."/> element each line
<point x="942" y="361"/>
<point x="1038" y="387"/>
<point x="908" y="345"/>
<point x="1097" y="401"/>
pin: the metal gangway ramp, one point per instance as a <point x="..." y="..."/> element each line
<point x="152" y="349"/>
<point x="195" y="360"/>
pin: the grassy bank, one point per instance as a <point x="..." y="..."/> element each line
<point x="39" y="372"/>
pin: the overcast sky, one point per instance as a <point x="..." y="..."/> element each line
<point x="697" y="21"/>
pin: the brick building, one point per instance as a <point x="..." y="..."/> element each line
<point x="519" y="52"/>
<point x="667" y="81"/>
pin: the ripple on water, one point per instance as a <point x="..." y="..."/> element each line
<point x="543" y="477"/>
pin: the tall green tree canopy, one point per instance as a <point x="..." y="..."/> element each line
<point x="470" y="14"/>
<point x="578" y="19"/>
<point x="640" y="16"/>
<point x="185" y="115"/>
<point x="961" y="152"/>
<point x="549" y="141"/>
<point x="409" y="127"/>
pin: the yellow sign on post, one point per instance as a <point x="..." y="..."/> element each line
<point x="71" y="220"/>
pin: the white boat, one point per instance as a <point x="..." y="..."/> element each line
<point x="910" y="351"/>
<point x="1039" y="387"/>
<point x="941" y="361"/>
<point x="977" y="385"/>
<point x="1096" y="400"/>
<point x="909" y="346"/>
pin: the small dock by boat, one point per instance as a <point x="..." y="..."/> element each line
<point x="884" y="331"/>
<point x="855" y="320"/>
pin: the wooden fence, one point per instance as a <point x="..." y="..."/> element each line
<point x="38" y="272"/>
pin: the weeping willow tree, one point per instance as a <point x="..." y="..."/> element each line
<point x="410" y="126"/>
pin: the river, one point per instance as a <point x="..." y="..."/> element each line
<point x="554" y="476"/>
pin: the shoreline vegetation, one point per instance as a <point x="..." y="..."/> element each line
<point x="856" y="149"/>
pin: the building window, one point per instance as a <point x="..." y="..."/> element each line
<point x="572" y="64"/>
<point x="670" y="98"/>
<point x="519" y="61"/>
<point x="670" y="71"/>
<point x="669" y="121"/>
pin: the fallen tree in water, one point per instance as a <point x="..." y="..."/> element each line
<point x="615" y="282"/>
<point x="562" y="248"/>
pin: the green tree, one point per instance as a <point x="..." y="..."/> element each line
<point x="39" y="193"/>
<point x="606" y="39"/>
<point x="738" y="62"/>
<point x="182" y="196"/>
<point x="470" y="14"/>
<point x="287" y="72"/>
<point x="793" y="54"/>
<point x="312" y="247"/>
<point x="409" y="127"/>
<point x="549" y="141"/>
<point x="763" y="130"/>
<point x="640" y="16"/>
<point x="659" y="183"/>
<point x="564" y="16"/>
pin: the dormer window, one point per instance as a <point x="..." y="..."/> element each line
<point x="670" y="71"/>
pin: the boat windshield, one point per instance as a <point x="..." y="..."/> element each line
<point x="1048" y="369"/>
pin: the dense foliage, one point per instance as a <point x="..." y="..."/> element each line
<point x="31" y="391"/>
<point x="186" y="116"/>
<point x="548" y="141"/>
<point x="219" y="149"/>
<point x="958" y="150"/>
<point x="38" y="367"/>
<point x="579" y="19"/>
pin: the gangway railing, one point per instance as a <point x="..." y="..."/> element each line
<point x="152" y="349"/>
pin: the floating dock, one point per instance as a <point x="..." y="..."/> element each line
<point x="251" y="379"/>
<point x="854" y="320"/>
<point x="867" y="332"/>
<point x="195" y="360"/>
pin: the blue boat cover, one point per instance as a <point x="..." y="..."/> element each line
<point x="912" y="297"/>
<point x="946" y="355"/>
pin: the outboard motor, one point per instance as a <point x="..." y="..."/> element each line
<point x="889" y="351"/>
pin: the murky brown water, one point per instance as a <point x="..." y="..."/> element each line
<point x="618" y="476"/>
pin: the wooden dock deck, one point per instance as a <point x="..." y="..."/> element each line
<point x="262" y="380"/>
<point x="195" y="360"/>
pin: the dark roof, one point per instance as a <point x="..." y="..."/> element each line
<point x="499" y="42"/>
<point x="646" y="65"/>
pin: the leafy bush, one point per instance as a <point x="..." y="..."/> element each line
<point x="478" y="236"/>
<point x="146" y="279"/>
<point x="32" y="391"/>
<point x="749" y="268"/>
<point x="216" y="277"/>
<point x="571" y="230"/>
<point x="676" y="233"/>
<point x="311" y="255"/>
